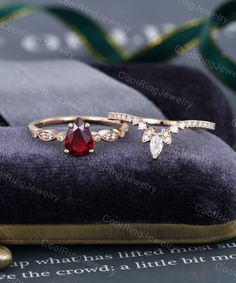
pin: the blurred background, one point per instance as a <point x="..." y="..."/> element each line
<point x="131" y="23"/>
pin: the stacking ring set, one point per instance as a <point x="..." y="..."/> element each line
<point x="79" y="139"/>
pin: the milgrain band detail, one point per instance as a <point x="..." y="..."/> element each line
<point x="36" y="130"/>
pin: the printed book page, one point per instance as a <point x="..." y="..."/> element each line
<point x="123" y="263"/>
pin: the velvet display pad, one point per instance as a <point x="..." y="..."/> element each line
<point x="190" y="187"/>
<point x="181" y="92"/>
<point x="193" y="182"/>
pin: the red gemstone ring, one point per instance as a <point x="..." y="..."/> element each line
<point x="78" y="139"/>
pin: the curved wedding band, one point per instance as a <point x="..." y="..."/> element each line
<point x="78" y="139"/>
<point x="157" y="140"/>
<point x="135" y="120"/>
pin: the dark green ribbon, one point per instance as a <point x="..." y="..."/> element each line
<point x="103" y="48"/>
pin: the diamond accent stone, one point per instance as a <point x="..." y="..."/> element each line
<point x="167" y="140"/>
<point x="46" y="136"/>
<point x="34" y="135"/>
<point x="125" y="128"/>
<point x="78" y="139"/>
<point x="142" y="126"/>
<point x="61" y="136"/>
<point x="147" y="135"/>
<point x="165" y="133"/>
<point x="166" y="136"/>
<point x="97" y="138"/>
<point x="156" y="146"/>
<point x="110" y="136"/>
<point x="174" y="129"/>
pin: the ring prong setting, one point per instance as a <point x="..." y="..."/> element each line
<point x="91" y="151"/>
<point x="66" y="151"/>
<point x="71" y="125"/>
<point x="87" y="125"/>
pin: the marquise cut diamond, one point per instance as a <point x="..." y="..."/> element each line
<point x="46" y="136"/>
<point x="156" y="146"/>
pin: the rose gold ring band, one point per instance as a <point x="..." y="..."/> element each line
<point x="78" y="139"/>
<point x="37" y="131"/>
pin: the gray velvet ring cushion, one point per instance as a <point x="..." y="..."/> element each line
<point x="41" y="185"/>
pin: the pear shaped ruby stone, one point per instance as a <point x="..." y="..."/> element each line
<point x="78" y="139"/>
